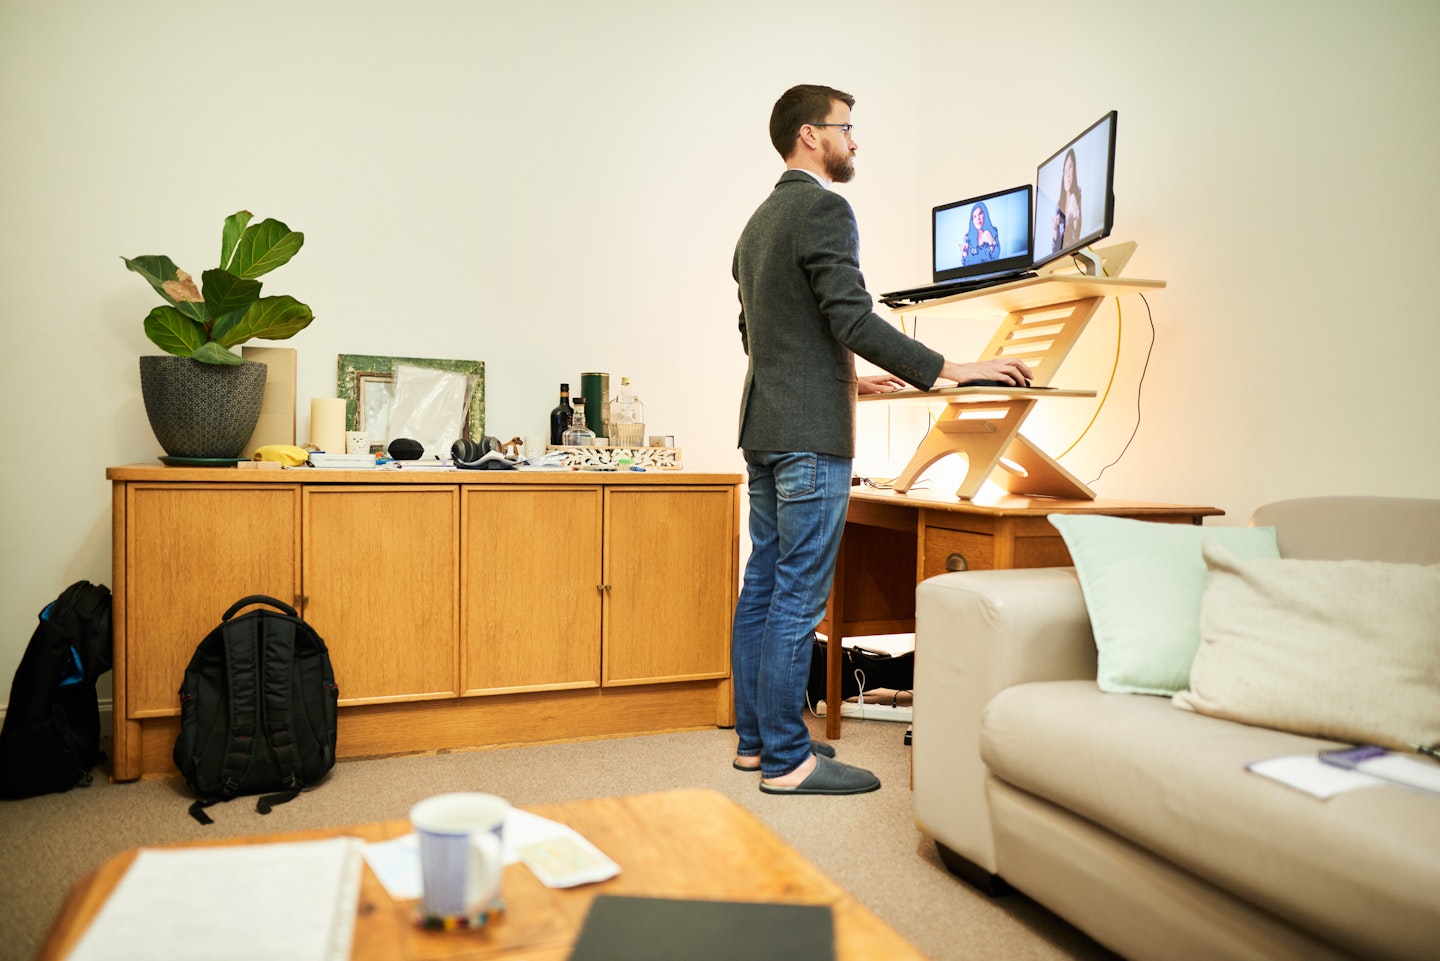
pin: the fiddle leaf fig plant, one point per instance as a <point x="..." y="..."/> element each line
<point x="226" y="310"/>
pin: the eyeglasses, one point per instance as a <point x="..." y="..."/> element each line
<point x="845" y="128"/>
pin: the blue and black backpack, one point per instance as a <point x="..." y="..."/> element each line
<point x="51" y="737"/>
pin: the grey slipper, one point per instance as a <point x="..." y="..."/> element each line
<point x="829" y="777"/>
<point x="819" y="748"/>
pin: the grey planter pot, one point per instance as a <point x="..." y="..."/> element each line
<point x="201" y="410"/>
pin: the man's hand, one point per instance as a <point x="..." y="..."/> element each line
<point x="1015" y="372"/>
<point x="880" y="384"/>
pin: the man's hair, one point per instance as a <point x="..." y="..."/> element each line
<point x="806" y="103"/>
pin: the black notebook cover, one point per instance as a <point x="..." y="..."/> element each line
<point x="663" y="929"/>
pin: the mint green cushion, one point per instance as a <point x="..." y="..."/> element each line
<point x="1143" y="582"/>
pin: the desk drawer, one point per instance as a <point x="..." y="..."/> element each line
<point x="985" y="552"/>
<point x="971" y="552"/>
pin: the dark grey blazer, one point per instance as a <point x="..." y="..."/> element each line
<point x="804" y="314"/>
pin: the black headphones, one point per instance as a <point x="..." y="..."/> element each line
<point x="465" y="453"/>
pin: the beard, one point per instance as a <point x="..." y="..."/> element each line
<point x="839" y="167"/>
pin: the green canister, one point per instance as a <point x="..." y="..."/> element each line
<point x="595" y="388"/>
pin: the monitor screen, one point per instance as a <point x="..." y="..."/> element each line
<point x="1075" y="193"/>
<point x="982" y="234"/>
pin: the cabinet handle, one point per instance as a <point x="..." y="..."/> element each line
<point x="602" y="587"/>
<point x="957" y="562"/>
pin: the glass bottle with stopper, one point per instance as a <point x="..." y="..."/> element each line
<point x="578" y="434"/>
<point x="627" y="418"/>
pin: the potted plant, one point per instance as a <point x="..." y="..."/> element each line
<point x="203" y="399"/>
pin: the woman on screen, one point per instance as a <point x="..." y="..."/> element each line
<point x="982" y="239"/>
<point x="1066" y="226"/>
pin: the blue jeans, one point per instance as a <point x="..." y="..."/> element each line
<point x="797" y="513"/>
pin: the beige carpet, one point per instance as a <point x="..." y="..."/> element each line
<point x="868" y="843"/>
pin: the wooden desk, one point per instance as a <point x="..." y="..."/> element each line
<point x="687" y="843"/>
<point x="893" y="541"/>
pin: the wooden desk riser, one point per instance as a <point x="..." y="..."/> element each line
<point x="462" y="608"/>
<point x="680" y="844"/>
<point x="1041" y="318"/>
<point x="893" y="541"/>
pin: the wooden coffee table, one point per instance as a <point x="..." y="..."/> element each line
<point x="681" y="844"/>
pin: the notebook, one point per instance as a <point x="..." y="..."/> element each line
<point x="621" y="928"/>
<point x="976" y="242"/>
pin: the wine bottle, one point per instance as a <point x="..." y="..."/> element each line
<point x="561" y="416"/>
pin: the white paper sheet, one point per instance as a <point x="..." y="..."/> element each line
<point x="430" y="406"/>
<point x="1307" y="773"/>
<point x="293" y="900"/>
<point x="397" y="862"/>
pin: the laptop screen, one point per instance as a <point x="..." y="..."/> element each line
<point x="982" y="234"/>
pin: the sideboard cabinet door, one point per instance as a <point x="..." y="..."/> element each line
<point x="382" y="574"/>
<point x="531" y="576"/>
<point x="191" y="552"/>
<point x="670" y="576"/>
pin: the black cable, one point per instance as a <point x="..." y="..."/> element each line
<point x="1139" y="391"/>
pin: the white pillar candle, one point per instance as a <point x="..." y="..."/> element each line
<point x="327" y="424"/>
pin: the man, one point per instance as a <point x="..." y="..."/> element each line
<point x="804" y="314"/>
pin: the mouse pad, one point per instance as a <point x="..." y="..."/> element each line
<point x="622" y="928"/>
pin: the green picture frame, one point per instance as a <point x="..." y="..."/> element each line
<point x="361" y="379"/>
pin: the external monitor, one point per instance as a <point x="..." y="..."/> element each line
<point x="1075" y="193"/>
<point x="982" y="235"/>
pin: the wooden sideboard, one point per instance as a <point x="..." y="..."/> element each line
<point x="461" y="608"/>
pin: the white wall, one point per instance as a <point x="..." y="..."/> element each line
<point x="1276" y="165"/>
<point x="555" y="187"/>
<point x="550" y="187"/>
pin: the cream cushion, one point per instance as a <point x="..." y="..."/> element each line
<point x="1348" y="650"/>
<point x="1143" y="583"/>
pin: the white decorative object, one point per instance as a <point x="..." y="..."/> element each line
<point x="327" y="424"/>
<point x="650" y="458"/>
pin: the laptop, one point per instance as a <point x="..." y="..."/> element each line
<point x="977" y="242"/>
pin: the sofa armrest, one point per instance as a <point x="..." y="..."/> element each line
<point x="977" y="633"/>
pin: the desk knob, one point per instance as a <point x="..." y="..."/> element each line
<point x="957" y="562"/>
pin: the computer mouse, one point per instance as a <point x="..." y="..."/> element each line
<point x="991" y="383"/>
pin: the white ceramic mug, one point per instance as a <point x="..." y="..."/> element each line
<point x="357" y="442"/>
<point x="461" y="855"/>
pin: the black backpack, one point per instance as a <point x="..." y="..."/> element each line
<point x="862" y="669"/>
<point x="257" y="709"/>
<point x="51" y="737"/>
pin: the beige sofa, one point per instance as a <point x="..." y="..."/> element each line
<point x="1137" y="821"/>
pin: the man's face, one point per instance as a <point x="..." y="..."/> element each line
<point x="838" y="149"/>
